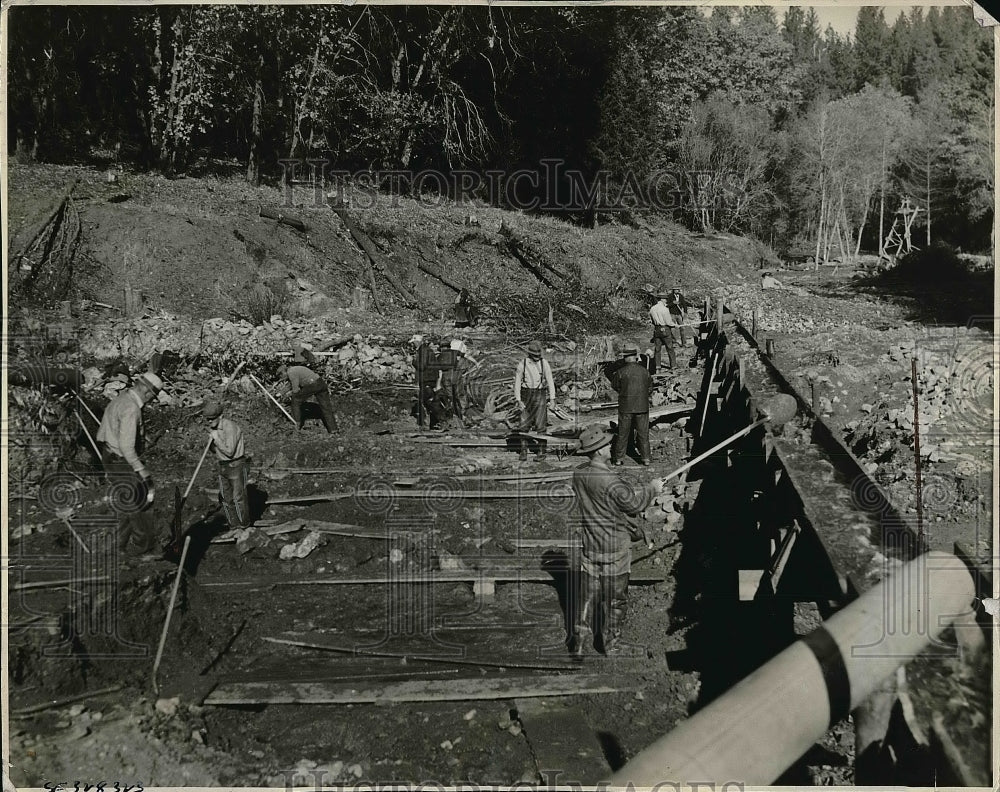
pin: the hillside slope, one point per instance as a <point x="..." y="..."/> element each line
<point x="191" y="246"/>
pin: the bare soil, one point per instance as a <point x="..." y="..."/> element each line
<point x="196" y="243"/>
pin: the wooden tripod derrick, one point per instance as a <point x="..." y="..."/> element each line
<point x="898" y="241"/>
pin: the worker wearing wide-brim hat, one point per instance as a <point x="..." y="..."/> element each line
<point x="534" y="388"/>
<point x="634" y="385"/>
<point x="609" y="506"/>
<point x="120" y="439"/>
<point x="678" y="306"/>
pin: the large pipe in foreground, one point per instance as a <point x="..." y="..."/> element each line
<point x="759" y="728"/>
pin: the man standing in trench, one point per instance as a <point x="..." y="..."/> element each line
<point x="664" y="326"/>
<point x="609" y="507"/>
<point x="534" y="388"/>
<point x="120" y="440"/>
<point x="633" y="383"/>
<point x="230" y="451"/>
<point x="306" y="383"/>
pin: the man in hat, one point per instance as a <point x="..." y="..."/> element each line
<point x="120" y="440"/>
<point x="464" y="363"/>
<point x="534" y="388"/>
<point x="227" y="442"/>
<point x="664" y="326"/>
<point x="609" y="506"/>
<point x="634" y="384"/>
<point x="678" y="305"/>
<point x="305" y="384"/>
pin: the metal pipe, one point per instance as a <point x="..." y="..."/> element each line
<point x="742" y="736"/>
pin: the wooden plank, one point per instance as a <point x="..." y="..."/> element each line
<point x="562" y="740"/>
<point x="340" y="529"/>
<point x="416" y="691"/>
<point x="450" y="650"/>
<point x="637" y="577"/>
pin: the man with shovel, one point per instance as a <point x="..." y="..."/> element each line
<point x="227" y="441"/>
<point x="609" y="507"/>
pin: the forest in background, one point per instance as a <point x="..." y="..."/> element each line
<point x="769" y="126"/>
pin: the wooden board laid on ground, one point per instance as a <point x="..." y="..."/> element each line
<point x="562" y="742"/>
<point x="416" y="691"/>
<point x="457" y="651"/>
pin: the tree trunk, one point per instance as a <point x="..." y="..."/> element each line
<point x="928" y="173"/>
<point x="253" y="160"/>
<point x="299" y="111"/>
<point x="819" y="227"/>
<point x="881" y="207"/>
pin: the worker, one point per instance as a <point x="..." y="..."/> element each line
<point x="430" y="382"/>
<point x="230" y="452"/>
<point x="609" y="506"/>
<point x="120" y="440"/>
<point x="663" y="329"/>
<point x="302" y="355"/>
<point x="678" y="306"/>
<point x="634" y="384"/>
<point x="466" y="313"/>
<point x="306" y="383"/>
<point x="464" y="363"/>
<point x="534" y="388"/>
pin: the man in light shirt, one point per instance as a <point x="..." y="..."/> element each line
<point x="120" y="440"/>
<point x="306" y="383"/>
<point x="227" y="442"/>
<point x="534" y="388"/>
<point x="664" y="326"/>
<point x="456" y="377"/>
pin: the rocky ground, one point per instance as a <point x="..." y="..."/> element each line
<point x="837" y="337"/>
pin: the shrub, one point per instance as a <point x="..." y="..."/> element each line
<point x="258" y="303"/>
<point x="935" y="265"/>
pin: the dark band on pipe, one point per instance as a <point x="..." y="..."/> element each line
<point x="831" y="662"/>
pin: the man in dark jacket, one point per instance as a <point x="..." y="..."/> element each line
<point x="633" y="383"/>
<point x="609" y="507"/>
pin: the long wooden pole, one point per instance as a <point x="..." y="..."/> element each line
<point x="91" y="439"/>
<point x="204" y="453"/>
<point x="233" y="376"/>
<point x="170" y="610"/>
<point x="268" y="394"/>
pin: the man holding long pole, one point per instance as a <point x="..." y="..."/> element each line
<point x="609" y="508"/>
<point x="230" y="452"/>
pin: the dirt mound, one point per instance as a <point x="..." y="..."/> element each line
<point x="193" y="246"/>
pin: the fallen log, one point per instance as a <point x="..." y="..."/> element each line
<point x="375" y="256"/>
<point x="436" y="274"/>
<point x="283" y="219"/>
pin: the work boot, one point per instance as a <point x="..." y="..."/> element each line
<point x="577" y="643"/>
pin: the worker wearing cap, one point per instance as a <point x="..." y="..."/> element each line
<point x="305" y="384"/>
<point x="120" y="440"/>
<point x="634" y="384"/>
<point x="456" y="377"/>
<point x="664" y="326"/>
<point x="230" y="452"/>
<point x="609" y="506"/>
<point x="678" y="305"/>
<point x="534" y="388"/>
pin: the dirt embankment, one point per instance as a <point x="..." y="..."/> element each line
<point x="192" y="246"/>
